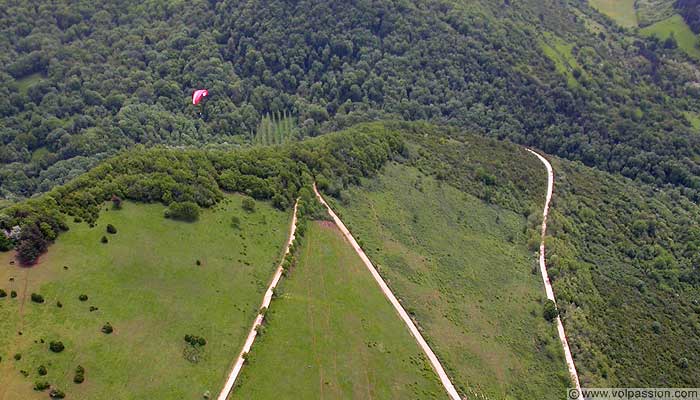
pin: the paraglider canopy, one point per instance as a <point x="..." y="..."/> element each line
<point x="198" y="95"/>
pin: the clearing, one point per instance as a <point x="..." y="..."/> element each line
<point x="687" y="40"/>
<point x="463" y="269"/>
<point x="621" y="11"/>
<point x="146" y="283"/>
<point x="333" y="335"/>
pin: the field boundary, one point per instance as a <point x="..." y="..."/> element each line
<point x="435" y="363"/>
<point x="545" y="276"/>
<point x="223" y="395"/>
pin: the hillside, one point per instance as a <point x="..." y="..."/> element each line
<point x="80" y="81"/>
<point x="429" y="205"/>
<point x="152" y="283"/>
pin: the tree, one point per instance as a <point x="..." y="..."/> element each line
<point x="248" y="204"/>
<point x="550" y="310"/>
<point x="184" y="211"/>
<point x="111" y="229"/>
<point x="56" y="346"/>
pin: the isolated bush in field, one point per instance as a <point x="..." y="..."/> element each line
<point x="40" y="386"/>
<point x="550" y="310"/>
<point x="13" y="294"/>
<point x="198" y="262"/>
<point x="79" y="374"/>
<point x="195" y="340"/>
<point x="107" y="328"/>
<point x="56" y="346"/>
<point x="111" y="229"/>
<point x="104" y="239"/>
<point x="3" y="293"/>
<point x="248" y="204"/>
<point x="56" y="394"/>
<point x="42" y="370"/>
<point x="83" y="297"/>
<point x="59" y="304"/>
<point x="185" y="211"/>
<point x="18" y="356"/>
<point x="37" y="298"/>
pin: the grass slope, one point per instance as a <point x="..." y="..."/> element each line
<point x="687" y="40"/>
<point x="146" y="283"/>
<point x="463" y="269"/>
<point x="333" y="335"/>
<point x="621" y="11"/>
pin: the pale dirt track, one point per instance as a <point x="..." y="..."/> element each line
<point x="223" y="395"/>
<point x="545" y="276"/>
<point x="444" y="379"/>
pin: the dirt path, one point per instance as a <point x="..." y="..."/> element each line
<point x="545" y="276"/>
<point x="444" y="379"/>
<point x="223" y="395"/>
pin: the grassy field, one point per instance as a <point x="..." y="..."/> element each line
<point x="687" y="40"/>
<point x="463" y="269"/>
<point x="622" y="11"/>
<point x="561" y="53"/>
<point x="333" y="335"/>
<point x="147" y="284"/>
<point x="693" y="118"/>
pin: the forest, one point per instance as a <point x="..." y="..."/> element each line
<point x="80" y="81"/>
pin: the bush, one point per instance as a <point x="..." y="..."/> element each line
<point x="111" y="229"/>
<point x="185" y="211"/>
<point x="42" y="370"/>
<point x="248" y="204"/>
<point x="198" y="262"/>
<point x="195" y="340"/>
<point x="37" y="298"/>
<point x="235" y="222"/>
<point x="550" y="311"/>
<point x="104" y="239"/>
<point x="107" y="328"/>
<point x="13" y="294"/>
<point x="3" y="293"/>
<point x="40" y="386"/>
<point x="56" y="394"/>
<point x="83" y="297"/>
<point x="56" y="347"/>
<point x="79" y="375"/>
<point x="116" y="202"/>
<point x="18" y="356"/>
<point x="59" y="304"/>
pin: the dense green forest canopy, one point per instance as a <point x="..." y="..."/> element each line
<point x="80" y="80"/>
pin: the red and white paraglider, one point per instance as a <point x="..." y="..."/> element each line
<point x="198" y="95"/>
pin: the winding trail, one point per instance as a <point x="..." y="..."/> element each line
<point x="545" y="276"/>
<point x="259" y="319"/>
<point x="444" y="379"/>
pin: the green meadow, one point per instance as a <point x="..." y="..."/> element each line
<point x="462" y="268"/>
<point x="622" y="11"/>
<point x="332" y="334"/>
<point x="155" y="281"/>
<point x="687" y="40"/>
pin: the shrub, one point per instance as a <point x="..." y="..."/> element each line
<point x="59" y="304"/>
<point x="550" y="311"/>
<point x="107" y="328"/>
<point x="83" y="297"/>
<point x="3" y="293"/>
<point x="56" y="394"/>
<point x="235" y="222"/>
<point x="195" y="340"/>
<point x="40" y="386"/>
<point x="79" y="375"/>
<point x="18" y="356"/>
<point x="42" y="370"/>
<point x="248" y="204"/>
<point x="198" y="262"/>
<point x="13" y="294"/>
<point x="56" y="346"/>
<point x="37" y="298"/>
<point x="111" y="229"/>
<point x="185" y="211"/>
<point x="104" y="239"/>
